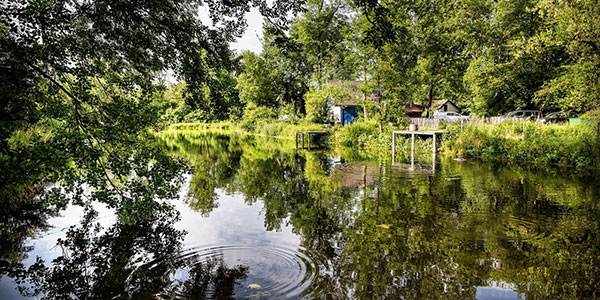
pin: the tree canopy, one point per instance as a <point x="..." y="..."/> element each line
<point x="80" y="82"/>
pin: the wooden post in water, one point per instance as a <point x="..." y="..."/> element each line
<point x="412" y="152"/>
<point x="393" y="147"/>
<point x="296" y="140"/>
<point x="308" y="135"/>
<point x="302" y="140"/>
<point x="434" y="147"/>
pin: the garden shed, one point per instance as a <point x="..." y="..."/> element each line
<point x="345" y="113"/>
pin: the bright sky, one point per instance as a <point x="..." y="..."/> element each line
<point x="251" y="38"/>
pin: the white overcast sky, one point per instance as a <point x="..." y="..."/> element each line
<point x="251" y="38"/>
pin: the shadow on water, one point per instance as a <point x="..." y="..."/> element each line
<point x="260" y="220"/>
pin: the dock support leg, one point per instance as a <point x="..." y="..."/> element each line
<point x="393" y="147"/>
<point x="412" y="152"/>
<point x="296" y="139"/>
<point x="434" y="146"/>
<point x="302" y="141"/>
<point x="308" y="140"/>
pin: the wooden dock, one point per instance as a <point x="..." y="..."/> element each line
<point x="307" y="134"/>
<point x="432" y="133"/>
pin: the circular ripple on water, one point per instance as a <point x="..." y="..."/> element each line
<point x="236" y="270"/>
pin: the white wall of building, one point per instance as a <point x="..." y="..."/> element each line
<point x="336" y="111"/>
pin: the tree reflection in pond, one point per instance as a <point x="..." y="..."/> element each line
<point x="23" y="216"/>
<point x="397" y="234"/>
<point x="108" y="263"/>
<point x="366" y="230"/>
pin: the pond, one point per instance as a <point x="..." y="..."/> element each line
<point x="256" y="219"/>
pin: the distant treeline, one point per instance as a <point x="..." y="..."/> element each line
<point x="489" y="57"/>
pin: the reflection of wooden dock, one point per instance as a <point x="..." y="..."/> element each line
<point x="307" y="134"/>
<point x="362" y="174"/>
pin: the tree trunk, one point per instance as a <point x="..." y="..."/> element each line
<point x="430" y="98"/>
<point x="364" y="91"/>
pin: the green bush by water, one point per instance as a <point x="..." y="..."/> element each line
<point x="368" y="142"/>
<point x="573" y="146"/>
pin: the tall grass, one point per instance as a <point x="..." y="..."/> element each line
<point x="273" y="128"/>
<point x="563" y="145"/>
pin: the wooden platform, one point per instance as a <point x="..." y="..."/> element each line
<point x="307" y="134"/>
<point x="433" y="133"/>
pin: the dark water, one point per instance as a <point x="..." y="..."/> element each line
<point x="257" y="220"/>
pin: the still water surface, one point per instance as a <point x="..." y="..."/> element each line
<point x="257" y="220"/>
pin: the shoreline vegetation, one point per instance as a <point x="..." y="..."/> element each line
<point x="541" y="146"/>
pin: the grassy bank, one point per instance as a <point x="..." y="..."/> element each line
<point x="278" y="129"/>
<point x="540" y="145"/>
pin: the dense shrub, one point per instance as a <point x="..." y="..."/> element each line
<point x="357" y="134"/>
<point x="255" y="115"/>
<point x="575" y="146"/>
<point x="316" y="106"/>
<point x="368" y="142"/>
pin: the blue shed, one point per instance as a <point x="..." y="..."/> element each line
<point x="345" y="114"/>
<point x="344" y="109"/>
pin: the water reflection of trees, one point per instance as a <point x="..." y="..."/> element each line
<point x="416" y="236"/>
<point x="125" y="261"/>
<point x="22" y="216"/>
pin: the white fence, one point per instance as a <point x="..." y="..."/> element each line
<point x="435" y="123"/>
<point x="426" y="122"/>
<point x="493" y="120"/>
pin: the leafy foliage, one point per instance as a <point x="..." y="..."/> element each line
<point x="255" y="115"/>
<point x="542" y="145"/>
<point x="81" y="88"/>
<point x="317" y="108"/>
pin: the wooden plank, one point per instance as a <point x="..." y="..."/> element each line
<point x="393" y="147"/>
<point x="419" y="132"/>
